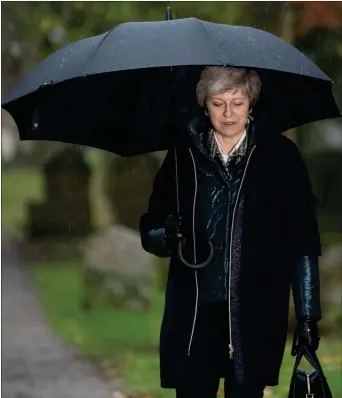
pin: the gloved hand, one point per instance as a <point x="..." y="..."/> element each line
<point x="306" y="333"/>
<point x="173" y="232"/>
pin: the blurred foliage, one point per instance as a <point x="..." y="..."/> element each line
<point x="39" y="20"/>
<point x="318" y="14"/>
<point x="325" y="172"/>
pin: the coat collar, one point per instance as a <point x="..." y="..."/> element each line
<point x="198" y="128"/>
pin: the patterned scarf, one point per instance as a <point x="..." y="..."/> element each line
<point x="236" y="156"/>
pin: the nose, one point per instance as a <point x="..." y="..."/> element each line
<point x="227" y="111"/>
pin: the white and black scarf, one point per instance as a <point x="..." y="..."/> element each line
<point x="214" y="150"/>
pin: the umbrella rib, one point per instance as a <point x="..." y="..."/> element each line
<point x="98" y="47"/>
<point x="210" y="38"/>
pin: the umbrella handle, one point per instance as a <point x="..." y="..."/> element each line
<point x="196" y="266"/>
<point x="180" y="253"/>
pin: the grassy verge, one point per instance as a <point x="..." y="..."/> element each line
<point x="127" y="343"/>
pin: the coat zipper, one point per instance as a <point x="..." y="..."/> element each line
<point x="231" y="346"/>
<point x="202" y="150"/>
<point x="195" y="257"/>
<point x="228" y="215"/>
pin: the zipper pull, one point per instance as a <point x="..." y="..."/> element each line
<point x="231" y="351"/>
<point x="308" y="395"/>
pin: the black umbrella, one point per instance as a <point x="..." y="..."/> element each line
<point x="117" y="91"/>
<point x="129" y="90"/>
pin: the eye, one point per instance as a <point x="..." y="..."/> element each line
<point x="238" y="104"/>
<point x="217" y="104"/>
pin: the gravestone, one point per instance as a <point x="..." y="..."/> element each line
<point x="66" y="210"/>
<point x="8" y="146"/>
<point x="128" y="187"/>
<point x="118" y="271"/>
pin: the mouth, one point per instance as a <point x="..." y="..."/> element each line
<point x="228" y="123"/>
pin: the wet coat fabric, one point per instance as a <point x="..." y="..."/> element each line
<point x="274" y="223"/>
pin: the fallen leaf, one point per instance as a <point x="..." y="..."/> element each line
<point x="268" y="392"/>
<point x="119" y="394"/>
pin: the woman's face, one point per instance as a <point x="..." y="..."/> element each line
<point x="228" y="112"/>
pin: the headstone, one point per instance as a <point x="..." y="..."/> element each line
<point x="118" y="271"/>
<point x="129" y="186"/>
<point x="66" y="210"/>
<point x="8" y="145"/>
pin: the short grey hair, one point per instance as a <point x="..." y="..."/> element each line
<point x="220" y="79"/>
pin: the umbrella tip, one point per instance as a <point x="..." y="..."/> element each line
<point x="168" y="14"/>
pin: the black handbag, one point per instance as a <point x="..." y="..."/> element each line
<point x="308" y="384"/>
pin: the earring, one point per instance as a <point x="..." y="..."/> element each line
<point x="249" y="119"/>
<point x="206" y="113"/>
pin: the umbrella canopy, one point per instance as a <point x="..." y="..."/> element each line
<point x="117" y="92"/>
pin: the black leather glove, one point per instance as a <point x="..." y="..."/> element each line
<point x="306" y="333"/>
<point x="173" y="232"/>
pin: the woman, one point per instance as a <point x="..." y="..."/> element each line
<point x="249" y="195"/>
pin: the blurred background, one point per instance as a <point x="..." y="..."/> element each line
<point x="70" y="215"/>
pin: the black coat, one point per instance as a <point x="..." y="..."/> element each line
<point x="274" y="223"/>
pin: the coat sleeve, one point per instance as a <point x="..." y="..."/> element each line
<point x="305" y="283"/>
<point x="152" y="223"/>
<point x="305" y="238"/>
<point x="300" y="203"/>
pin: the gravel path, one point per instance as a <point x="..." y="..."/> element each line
<point x="35" y="362"/>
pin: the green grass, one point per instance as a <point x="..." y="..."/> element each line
<point x="18" y="187"/>
<point x="127" y="343"/>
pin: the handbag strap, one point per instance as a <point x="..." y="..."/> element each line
<point x="310" y="356"/>
<point x="299" y="356"/>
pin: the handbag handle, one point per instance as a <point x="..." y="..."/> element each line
<point x="310" y="356"/>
